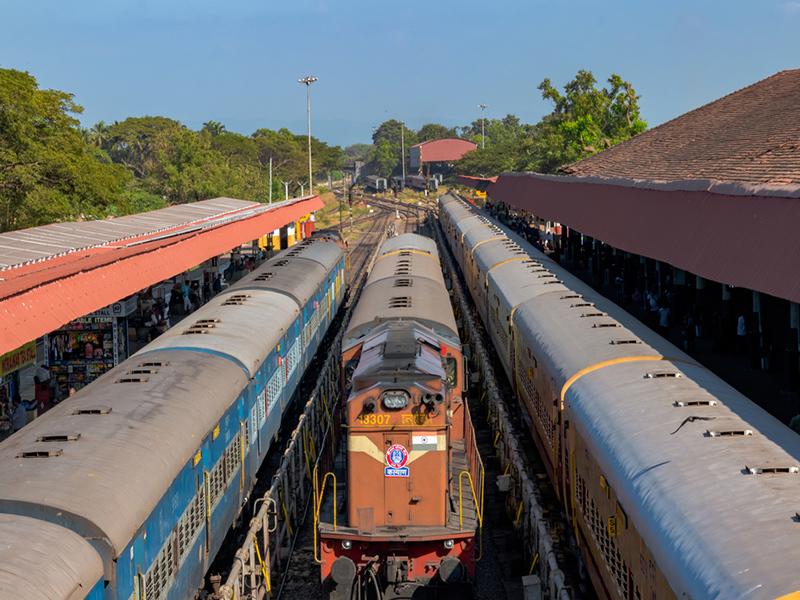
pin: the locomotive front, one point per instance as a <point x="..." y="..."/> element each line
<point x="409" y="520"/>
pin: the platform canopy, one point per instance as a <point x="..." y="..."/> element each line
<point x="53" y="274"/>
<point x="715" y="192"/>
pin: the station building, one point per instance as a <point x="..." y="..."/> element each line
<point x="702" y="212"/>
<point x="438" y="156"/>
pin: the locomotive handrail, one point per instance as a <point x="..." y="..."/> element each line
<point x="478" y="510"/>
<point x="318" y="504"/>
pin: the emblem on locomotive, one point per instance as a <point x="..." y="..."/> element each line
<point x="397" y="457"/>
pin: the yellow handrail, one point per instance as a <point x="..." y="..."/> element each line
<point x="478" y="507"/>
<point x="264" y="567"/>
<point x="318" y="504"/>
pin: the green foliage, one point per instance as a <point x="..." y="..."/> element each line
<point x="358" y="152"/>
<point x="47" y="171"/>
<point x="388" y="142"/>
<point x="588" y="119"/>
<point x="434" y="131"/>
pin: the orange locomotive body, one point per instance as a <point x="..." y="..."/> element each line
<point x="411" y="476"/>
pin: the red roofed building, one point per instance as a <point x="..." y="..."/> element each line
<point x="442" y="152"/>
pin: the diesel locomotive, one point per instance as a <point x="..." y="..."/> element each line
<point x="401" y="513"/>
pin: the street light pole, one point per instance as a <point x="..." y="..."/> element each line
<point x="308" y="81"/>
<point x="403" y="151"/>
<point x="483" y="107"/>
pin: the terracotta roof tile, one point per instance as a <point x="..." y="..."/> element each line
<point x="750" y="136"/>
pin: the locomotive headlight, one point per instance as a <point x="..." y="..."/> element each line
<point x="346" y="544"/>
<point x="395" y="399"/>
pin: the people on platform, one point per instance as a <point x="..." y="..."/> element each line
<point x="18" y="413"/>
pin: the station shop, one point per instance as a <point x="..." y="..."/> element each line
<point x="10" y="365"/>
<point x="84" y="349"/>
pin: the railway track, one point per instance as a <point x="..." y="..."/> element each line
<point x="289" y="568"/>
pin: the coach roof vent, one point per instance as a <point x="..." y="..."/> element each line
<point x="99" y="410"/>
<point x="263" y="277"/>
<point x="60" y="437"/>
<point x="622" y="342"/>
<point x="403" y="282"/>
<point x="685" y="403"/>
<point x="570" y="296"/>
<point x="236" y="300"/>
<point x="730" y="433"/>
<point x="663" y="375"/>
<point x="793" y="470"/>
<point x="154" y="363"/>
<point x="133" y="379"/>
<point x="281" y="263"/>
<point x="40" y="453"/>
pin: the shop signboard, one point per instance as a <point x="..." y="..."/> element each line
<point x="16" y="359"/>
<point x="123" y="308"/>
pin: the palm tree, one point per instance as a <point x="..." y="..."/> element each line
<point x="214" y="128"/>
<point x="100" y="134"/>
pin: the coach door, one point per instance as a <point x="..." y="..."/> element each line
<point x="397" y="480"/>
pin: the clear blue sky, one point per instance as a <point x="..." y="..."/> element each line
<point x="419" y="61"/>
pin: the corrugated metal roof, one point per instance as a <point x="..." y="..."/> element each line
<point x="27" y="245"/>
<point x="444" y="150"/>
<point x="739" y="234"/>
<point x="40" y="296"/>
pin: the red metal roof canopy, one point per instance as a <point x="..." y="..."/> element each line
<point x="444" y="150"/>
<point x="740" y="234"/>
<point x="53" y="274"/>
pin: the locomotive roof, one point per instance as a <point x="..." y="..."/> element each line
<point x="409" y="241"/>
<point x="31" y="568"/>
<point x="410" y="286"/>
<point x="108" y="481"/>
<point x="425" y="301"/>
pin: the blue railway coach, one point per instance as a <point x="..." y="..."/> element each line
<point x="146" y="469"/>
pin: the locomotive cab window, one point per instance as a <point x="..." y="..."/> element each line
<point x="451" y="365"/>
<point x="349" y="369"/>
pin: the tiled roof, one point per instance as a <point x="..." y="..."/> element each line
<point x="751" y="136"/>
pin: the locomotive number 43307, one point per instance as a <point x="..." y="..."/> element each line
<point x="373" y="419"/>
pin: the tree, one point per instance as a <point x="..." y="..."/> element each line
<point x="47" y="171"/>
<point x="496" y="131"/>
<point x="214" y="128"/>
<point x="186" y="169"/>
<point x="586" y="119"/>
<point x="389" y="141"/>
<point x="130" y="142"/>
<point x="434" y="131"/>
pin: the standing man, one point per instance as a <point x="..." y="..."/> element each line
<point x="18" y="414"/>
